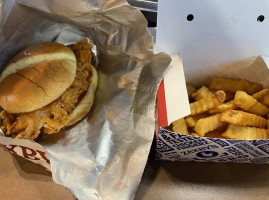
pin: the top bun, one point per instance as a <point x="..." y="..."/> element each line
<point x="36" y="77"/>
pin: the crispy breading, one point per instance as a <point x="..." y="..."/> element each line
<point x="56" y="115"/>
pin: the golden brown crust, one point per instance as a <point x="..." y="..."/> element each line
<point x="30" y="88"/>
<point x="38" y="53"/>
<point x="36" y="78"/>
<point x="33" y="85"/>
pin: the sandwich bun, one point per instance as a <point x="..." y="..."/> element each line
<point x="47" y="87"/>
<point x="36" y="77"/>
<point x="85" y="104"/>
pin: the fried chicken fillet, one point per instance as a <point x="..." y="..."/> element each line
<point x="70" y="107"/>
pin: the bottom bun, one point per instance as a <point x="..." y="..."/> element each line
<point x="85" y="104"/>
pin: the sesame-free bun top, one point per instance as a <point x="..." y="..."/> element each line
<point x="36" y="77"/>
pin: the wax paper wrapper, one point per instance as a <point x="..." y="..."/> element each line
<point x="104" y="155"/>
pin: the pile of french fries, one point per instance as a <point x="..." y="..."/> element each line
<point x="227" y="108"/>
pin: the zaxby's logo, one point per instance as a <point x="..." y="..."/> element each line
<point x="207" y="154"/>
<point x="28" y="153"/>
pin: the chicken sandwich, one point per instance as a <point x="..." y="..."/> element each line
<point x="46" y="87"/>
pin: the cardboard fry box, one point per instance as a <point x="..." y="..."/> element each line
<point x="223" y="39"/>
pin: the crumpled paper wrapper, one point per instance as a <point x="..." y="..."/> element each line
<point x="104" y="155"/>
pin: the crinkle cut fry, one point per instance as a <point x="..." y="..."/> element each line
<point x="208" y="124"/>
<point x="244" y="132"/>
<point x="249" y="104"/>
<point x="243" y="118"/>
<point x="191" y="120"/>
<point x="223" y="107"/>
<point x="260" y="95"/>
<point x="179" y="126"/>
<point x="208" y="102"/>
<point x="233" y="85"/>
<point x="201" y="93"/>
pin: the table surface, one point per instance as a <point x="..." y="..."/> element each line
<point x="23" y="180"/>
